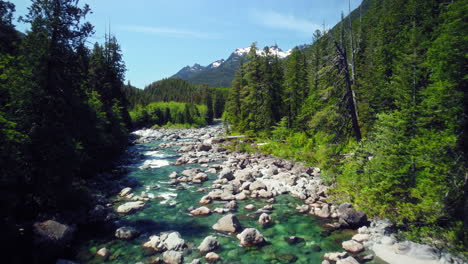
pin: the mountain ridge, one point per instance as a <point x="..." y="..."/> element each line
<point x="220" y="73"/>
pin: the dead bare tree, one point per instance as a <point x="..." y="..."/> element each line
<point x="341" y="62"/>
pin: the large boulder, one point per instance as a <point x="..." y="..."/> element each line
<point x="228" y="223"/>
<point x="348" y="260"/>
<point x="324" y="212"/>
<point x="125" y="191"/>
<point x="201" y="211"/>
<point x="155" y="243"/>
<point x="173" y="241"/>
<point x="264" y="219"/>
<point x="250" y="237"/>
<point x="51" y="231"/>
<point x="351" y="218"/>
<point x="126" y="232"/>
<point x="212" y="257"/>
<point x="208" y="244"/>
<point x="173" y="257"/>
<point x="204" y="147"/>
<point x="335" y="256"/>
<point x="130" y="207"/>
<point x="352" y="246"/>
<point x="227" y="174"/>
<point x="257" y="185"/>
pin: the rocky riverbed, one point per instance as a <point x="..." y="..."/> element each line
<point x="187" y="199"/>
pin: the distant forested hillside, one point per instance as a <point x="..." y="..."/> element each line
<point x="175" y="90"/>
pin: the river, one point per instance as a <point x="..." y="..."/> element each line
<point x="167" y="210"/>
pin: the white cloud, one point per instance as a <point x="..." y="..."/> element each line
<point x="283" y="21"/>
<point x="173" y="32"/>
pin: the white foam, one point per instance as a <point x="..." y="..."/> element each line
<point x="168" y="196"/>
<point x="154" y="164"/>
<point x="155" y="153"/>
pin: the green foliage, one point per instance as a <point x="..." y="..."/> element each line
<point x="403" y="66"/>
<point x="63" y="116"/>
<point x="169" y="114"/>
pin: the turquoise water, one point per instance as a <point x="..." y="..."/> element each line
<point x="171" y="215"/>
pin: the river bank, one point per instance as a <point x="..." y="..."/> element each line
<point x="188" y="199"/>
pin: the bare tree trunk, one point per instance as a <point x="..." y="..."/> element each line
<point x="343" y="67"/>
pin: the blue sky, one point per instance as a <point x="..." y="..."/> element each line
<point x="159" y="37"/>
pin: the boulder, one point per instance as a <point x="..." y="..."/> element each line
<point x="361" y="237"/>
<point x="201" y="177"/>
<point x="51" y="231"/>
<point x="204" y="147"/>
<point x="130" y="207"/>
<point x="231" y="206"/>
<point x="201" y="211"/>
<point x="173" y="257"/>
<point x="348" y="260"/>
<point x="335" y="256"/>
<point x="126" y="232"/>
<point x="227" y="174"/>
<point x="250" y="207"/>
<point x="125" y="191"/>
<point x="155" y="243"/>
<point x="264" y="219"/>
<point x="351" y="218"/>
<point x="240" y="196"/>
<point x="103" y="253"/>
<point x="324" y="212"/>
<point x="250" y="237"/>
<point x="174" y="242"/>
<point x="208" y="244"/>
<point x="205" y="199"/>
<point x="352" y="246"/>
<point x="196" y="261"/>
<point x="257" y="185"/>
<point x="212" y="257"/>
<point x="265" y="194"/>
<point x="228" y="223"/>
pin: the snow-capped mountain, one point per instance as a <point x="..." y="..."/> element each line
<point x="274" y="50"/>
<point x="220" y="73"/>
<point x="215" y="64"/>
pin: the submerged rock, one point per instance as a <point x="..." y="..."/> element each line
<point x="250" y="237"/>
<point x="264" y="219"/>
<point x="208" y="244"/>
<point x="287" y="258"/>
<point x="103" y="253"/>
<point x="228" y="223"/>
<point x="212" y="257"/>
<point x="173" y="257"/>
<point x="130" y="207"/>
<point x="126" y="232"/>
<point x="293" y="240"/>
<point x="201" y="211"/>
<point x="125" y="191"/>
